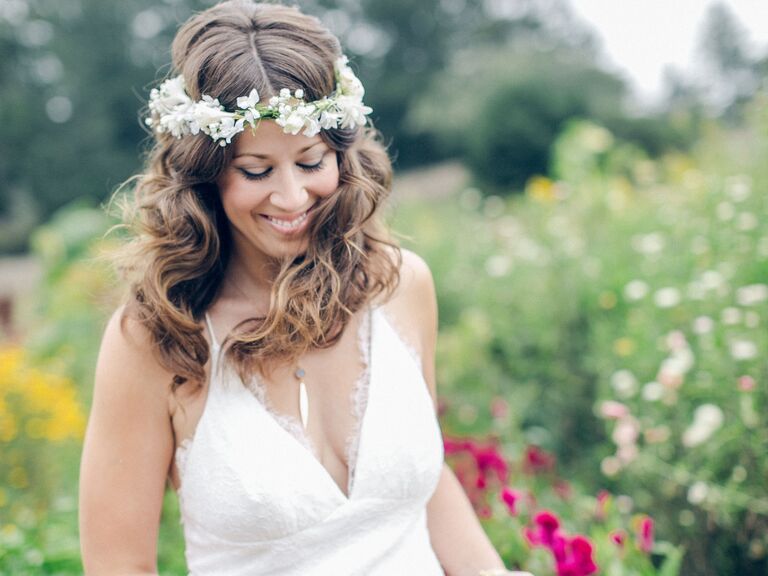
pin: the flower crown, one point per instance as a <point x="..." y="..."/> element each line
<point x="173" y="111"/>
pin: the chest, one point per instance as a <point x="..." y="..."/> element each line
<point x="245" y="474"/>
<point x="336" y="383"/>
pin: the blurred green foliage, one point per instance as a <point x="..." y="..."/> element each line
<point x="484" y="81"/>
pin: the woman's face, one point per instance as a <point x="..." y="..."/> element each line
<point x="270" y="188"/>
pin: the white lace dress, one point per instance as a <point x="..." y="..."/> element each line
<point x="256" y="500"/>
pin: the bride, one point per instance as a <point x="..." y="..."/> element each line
<point x="274" y="358"/>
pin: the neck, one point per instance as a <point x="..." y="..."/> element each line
<point x="250" y="280"/>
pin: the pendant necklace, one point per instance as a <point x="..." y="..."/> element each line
<point x="303" y="398"/>
<point x="299" y="374"/>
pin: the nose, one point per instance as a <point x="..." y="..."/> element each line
<point x="289" y="195"/>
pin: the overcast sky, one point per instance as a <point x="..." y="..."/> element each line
<point x="641" y="37"/>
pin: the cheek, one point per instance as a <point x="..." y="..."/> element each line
<point x="328" y="182"/>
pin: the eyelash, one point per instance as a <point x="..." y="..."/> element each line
<point x="311" y="168"/>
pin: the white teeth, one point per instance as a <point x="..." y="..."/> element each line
<point x="288" y="225"/>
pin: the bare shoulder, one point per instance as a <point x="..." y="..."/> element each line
<point x="127" y="351"/>
<point x="412" y="310"/>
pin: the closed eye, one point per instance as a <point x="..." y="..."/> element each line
<point x="262" y="175"/>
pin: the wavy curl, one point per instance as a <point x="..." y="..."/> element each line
<point x="176" y="258"/>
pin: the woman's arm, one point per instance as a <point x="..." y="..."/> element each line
<point x="457" y="537"/>
<point x="126" y="456"/>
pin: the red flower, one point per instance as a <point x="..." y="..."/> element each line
<point x="510" y="498"/>
<point x="488" y="458"/>
<point x="618" y="537"/>
<point x="578" y="560"/>
<point x="645" y="535"/>
<point x="537" y="460"/>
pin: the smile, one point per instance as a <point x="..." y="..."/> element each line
<point x="288" y="226"/>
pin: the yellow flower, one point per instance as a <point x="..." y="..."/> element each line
<point x="541" y="189"/>
<point x="624" y="346"/>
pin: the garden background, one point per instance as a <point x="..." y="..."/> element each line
<point x="601" y="271"/>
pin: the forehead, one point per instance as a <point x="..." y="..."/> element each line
<point x="269" y="140"/>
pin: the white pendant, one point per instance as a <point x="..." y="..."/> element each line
<point x="303" y="404"/>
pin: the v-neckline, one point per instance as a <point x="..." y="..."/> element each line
<point x="358" y="425"/>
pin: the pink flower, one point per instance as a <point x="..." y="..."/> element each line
<point x="618" y="537"/>
<point x="645" y="535"/>
<point x="579" y="560"/>
<point x="613" y="410"/>
<point x="489" y="458"/>
<point x="510" y="498"/>
<point x="537" y="460"/>
<point x="746" y="383"/>
<point x="546" y="530"/>
<point x="499" y="408"/>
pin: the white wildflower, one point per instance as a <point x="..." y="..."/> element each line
<point x="707" y="419"/>
<point x="712" y="279"/>
<point x="743" y="350"/>
<point x="648" y="244"/>
<point x="746" y="221"/>
<point x="652" y="391"/>
<point x="635" y="290"/>
<point x="697" y="493"/>
<point x="703" y="325"/>
<point x="752" y="294"/>
<point x="624" y="383"/>
<point x="498" y="265"/>
<point x="667" y="297"/>
<point x="610" y="466"/>
<point x="738" y="188"/>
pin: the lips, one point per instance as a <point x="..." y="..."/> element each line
<point x="290" y="223"/>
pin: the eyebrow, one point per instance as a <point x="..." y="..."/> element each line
<point x="266" y="156"/>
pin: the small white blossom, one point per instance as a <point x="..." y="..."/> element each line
<point x="667" y="297"/>
<point x="648" y="244"/>
<point x="635" y="290"/>
<point x="746" y="221"/>
<point x="707" y="419"/>
<point x="703" y="325"/>
<point x="624" y="383"/>
<point x="697" y="493"/>
<point x="250" y="101"/>
<point x="752" y="294"/>
<point x="743" y="350"/>
<point x="738" y="188"/>
<point x="653" y="391"/>
<point x="730" y="316"/>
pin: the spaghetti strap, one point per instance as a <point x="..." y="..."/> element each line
<point x="214" y="342"/>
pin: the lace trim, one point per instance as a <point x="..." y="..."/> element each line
<point x="359" y="398"/>
<point x="359" y="402"/>
<point x="291" y="424"/>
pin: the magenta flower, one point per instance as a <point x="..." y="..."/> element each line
<point x="510" y="498"/>
<point x="618" y="537"/>
<point x="537" y="460"/>
<point x="645" y="535"/>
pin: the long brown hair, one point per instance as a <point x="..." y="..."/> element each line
<point x="180" y="245"/>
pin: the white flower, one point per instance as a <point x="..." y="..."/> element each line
<point x="707" y="419"/>
<point x="697" y="493"/>
<point x="352" y="112"/>
<point x="653" y="391"/>
<point x="743" y="350"/>
<point x="169" y="96"/>
<point x="635" y="290"/>
<point x="624" y="383"/>
<point x="752" y="294"/>
<point x="648" y="244"/>
<point x="703" y="325"/>
<point x="746" y="221"/>
<point x="738" y="188"/>
<point x="250" y="101"/>
<point x="349" y="83"/>
<point x="667" y="297"/>
<point x="712" y="279"/>
<point x="498" y="265"/>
